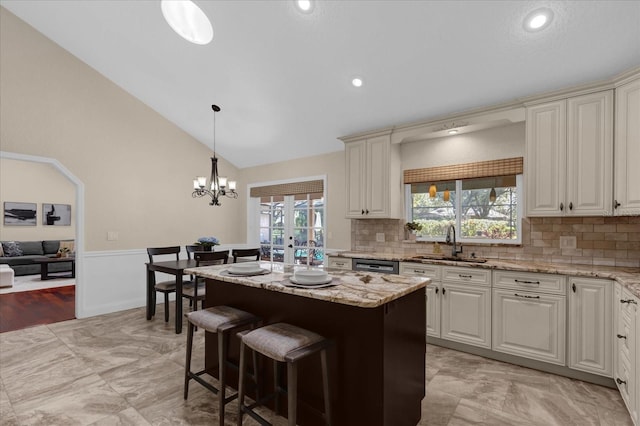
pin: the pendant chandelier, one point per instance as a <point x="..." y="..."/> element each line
<point x="219" y="186"/>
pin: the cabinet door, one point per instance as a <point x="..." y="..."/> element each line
<point x="627" y="374"/>
<point x="545" y="159"/>
<point x="531" y="325"/>
<point x="635" y="411"/>
<point x="627" y="149"/>
<point x="466" y="314"/>
<point x="377" y="204"/>
<point x="433" y="310"/>
<point x="356" y="157"/>
<point x="589" y="154"/>
<point x="590" y="326"/>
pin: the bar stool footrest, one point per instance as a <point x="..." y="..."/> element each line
<point x="197" y="378"/>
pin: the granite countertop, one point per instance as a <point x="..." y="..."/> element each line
<point x="627" y="277"/>
<point x="366" y="290"/>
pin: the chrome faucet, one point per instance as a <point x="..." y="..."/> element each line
<point x="454" y="251"/>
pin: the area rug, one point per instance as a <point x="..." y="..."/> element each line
<point x="28" y="308"/>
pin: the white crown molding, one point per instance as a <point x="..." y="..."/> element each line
<point x="488" y="116"/>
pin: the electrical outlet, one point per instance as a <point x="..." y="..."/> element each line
<point x="380" y="237"/>
<point x="112" y="236"/>
<point x="568" y="242"/>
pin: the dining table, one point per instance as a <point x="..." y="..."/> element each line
<point x="171" y="267"/>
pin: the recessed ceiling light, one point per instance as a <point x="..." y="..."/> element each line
<point x="453" y="131"/>
<point x="357" y="82"/>
<point x="538" y="19"/>
<point x="188" y="20"/>
<point x="304" y="5"/>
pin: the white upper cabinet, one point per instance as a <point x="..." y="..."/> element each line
<point x="569" y="156"/>
<point x="545" y="158"/>
<point x="374" y="184"/>
<point x="627" y="149"/>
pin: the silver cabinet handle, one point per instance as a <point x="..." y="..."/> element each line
<point x="527" y="282"/>
<point x="526" y="297"/>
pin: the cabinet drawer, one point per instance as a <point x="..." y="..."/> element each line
<point x="420" y="270"/>
<point x="339" y="263"/>
<point x="467" y="275"/>
<point x="546" y="283"/>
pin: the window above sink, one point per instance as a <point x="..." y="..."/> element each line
<point x="483" y="209"/>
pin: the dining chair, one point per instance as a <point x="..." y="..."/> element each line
<point x="197" y="291"/>
<point x="245" y="255"/>
<point x="192" y="248"/>
<point x="165" y="287"/>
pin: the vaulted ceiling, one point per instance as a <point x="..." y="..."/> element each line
<point x="283" y="77"/>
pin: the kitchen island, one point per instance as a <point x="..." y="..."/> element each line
<point x="377" y="364"/>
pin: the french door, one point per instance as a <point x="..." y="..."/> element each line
<point x="292" y="228"/>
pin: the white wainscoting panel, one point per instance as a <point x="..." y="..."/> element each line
<point x="112" y="281"/>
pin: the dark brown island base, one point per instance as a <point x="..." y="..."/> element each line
<point x="377" y="323"/>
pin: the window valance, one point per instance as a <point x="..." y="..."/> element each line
<point x="504" y="167"/>
<point x="293" y="188"/>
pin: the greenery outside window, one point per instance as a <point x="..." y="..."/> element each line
<point x="482" y="210"/>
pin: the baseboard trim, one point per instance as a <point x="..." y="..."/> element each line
<point x="524" y="362"/>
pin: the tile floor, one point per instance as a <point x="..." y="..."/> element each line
<point x="119" y="369"/>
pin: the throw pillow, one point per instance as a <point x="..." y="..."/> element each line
<point x="70" y="244"/>
<point x="11" y="249"/>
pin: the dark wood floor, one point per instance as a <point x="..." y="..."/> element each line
<point x="28" y="308"/>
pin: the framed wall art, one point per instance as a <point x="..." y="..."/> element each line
<point x="19" y="214"/>
<point x="56" y="214"/>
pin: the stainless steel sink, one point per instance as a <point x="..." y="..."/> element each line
<point x="450" y="258"/>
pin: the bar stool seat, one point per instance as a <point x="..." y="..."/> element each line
<point x="222" y="320"/>
<point x="285" y="343"/>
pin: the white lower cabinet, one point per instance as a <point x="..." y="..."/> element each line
<point x="466" y="306"/>
<point x="458" y="302"/>
<point x="433" y="291"/>
<point x="627" y="350"/>
<point x="591" y="325"/>
<point x="339" y="263"/>
<point x="529" y="315"/>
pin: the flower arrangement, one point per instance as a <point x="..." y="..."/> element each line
<point x="413" y="226"/>
<point x="207" y="242"/>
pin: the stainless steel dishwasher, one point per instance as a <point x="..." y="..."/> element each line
<point x="374" y="265"/>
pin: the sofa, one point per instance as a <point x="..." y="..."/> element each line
<point x="22" y="259"/>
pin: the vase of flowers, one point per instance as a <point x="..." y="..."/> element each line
<point x="207" y="243"/>
<point x="412" y="228"/>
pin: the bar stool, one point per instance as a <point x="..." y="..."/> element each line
<point x="288" y="344"/>
<point x="222" y="320"/>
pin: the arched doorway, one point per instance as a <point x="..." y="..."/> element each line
<point x="79" y="219"/>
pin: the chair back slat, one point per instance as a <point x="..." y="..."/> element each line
<point x="157" y="251"/>
<point x="208" y="258"/>
<point x="245" y="254"/>
<point x="192" y="248"/>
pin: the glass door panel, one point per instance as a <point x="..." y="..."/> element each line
<point x="291" y="229"/>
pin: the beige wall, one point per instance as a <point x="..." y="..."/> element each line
<point x="136" y="166"/>
<point x="27" y="182"/>
<point x="332" y="165"/>
<point x="484" y="145"/>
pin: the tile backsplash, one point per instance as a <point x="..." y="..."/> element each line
<point x="606" y="241"/>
